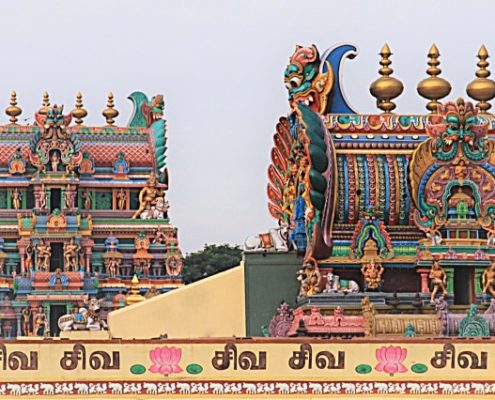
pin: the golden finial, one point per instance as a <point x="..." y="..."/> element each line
<point x="13" y="111"/>
<point x="433" y="88"/>
<point x="46" y="103"/>
<point x="134" y="294"/>
<point x="110" y="113"/>
<point x="79" y="112"/>
<point x="482" y="88"/>
<point x="386" y="88"/>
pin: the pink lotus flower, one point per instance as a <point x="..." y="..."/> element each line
<point x="390" y="359"/>
<point x="165" y="360"/>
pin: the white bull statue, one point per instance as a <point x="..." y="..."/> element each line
<point x="84" y="319"/>
<point x="337" y="285"/>
<point x="275" y="240"/>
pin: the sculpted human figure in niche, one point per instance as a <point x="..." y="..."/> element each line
<point x="16" y="199"/>
<point x="43" y="254"/>
<point x="40" y="322"/>
<point x="26" y="321"/>
<point x="70" y="255"/>
<point x="438" y="278"/>
<point x="488" y="280"/>
<point x="113" y="267"/>
<point x="310" y="278"/>
<point x="372" y="273"/>
<point x="149" y="196"/>
<point x="70" y="196"/>
<point x="121" y="199"/>
<point x="160" y="236"/>
<point x="43" y="197"/>
<point x="54" y="161"/>
<point x="87" y="198"/>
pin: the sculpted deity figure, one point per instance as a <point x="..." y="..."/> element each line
<point x="26" y="321"/>
<point x="16" y="199"/>
<point x="149" y="195"/>
<point x="310" y="277"/>
<point x="490" y="241"/>
<point x="43" y="254"/>
<point x="70" y="255"/>
<point x="434" y="234"/>
<point x="488" y="280"/>
<point x="372" y="273"/>
<point x="54" y="161"/>
<point x="461" y="171"/>
<point x="28" y="260"/>
<point x="152" y="292"/>
<point x="69" y="197"/>
<point x="438" y="278"/>
<point x="40" y="321"/>
<point x="113" y="267"/>
<point x="121" y="199"/>
<point x="160" y="236"/>
<point x="43" y="195"/>
<point x="86" y="196"/>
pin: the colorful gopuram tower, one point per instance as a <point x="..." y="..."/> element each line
<point x="390" y="213"/>
<point x="82" y="211"/>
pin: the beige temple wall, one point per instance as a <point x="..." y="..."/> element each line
<point x="212" y="307"/>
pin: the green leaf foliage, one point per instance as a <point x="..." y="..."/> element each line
<point x="210" y="260"/>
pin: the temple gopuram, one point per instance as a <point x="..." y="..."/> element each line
<point x="393" y="215"/>
<point x="82" y="211"/>
<point x="377" y="281"/>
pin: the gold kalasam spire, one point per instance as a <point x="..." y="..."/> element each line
<point x="482" y="88"/>
<point x="46" y="103"/>
<point x="433" y="88"/>
<point x="134" y="294"/>
<point x="79" y="112"/>
<point x="110" y="113"/>
<point x="13" y="111"/>
<point x="386" y="88"/>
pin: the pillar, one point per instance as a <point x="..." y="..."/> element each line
<point x="477" y="280"/>
<point x="157" y="267"/>
<point x="18" y="317"/>
<point x="37" y="197"/>
<point x="425" y="281"/>
<point x="450" y="280"/>
<point x="88" y="253"/>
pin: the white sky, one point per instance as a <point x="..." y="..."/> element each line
<point x="220" y="66"/>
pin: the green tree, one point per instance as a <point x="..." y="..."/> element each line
<point x="210" y="260"/>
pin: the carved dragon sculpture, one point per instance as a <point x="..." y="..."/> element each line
<point x="149" y="114"/>
<point x="302" y="183"/>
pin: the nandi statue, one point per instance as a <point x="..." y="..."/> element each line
<point x="84" y="319"/>
<point x="337" y="285"/>
<point x="275" y="240"/>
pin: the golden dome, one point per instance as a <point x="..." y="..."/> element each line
<point x="482" y="88"/>
<point x="110" y="113"/>
<point x="386" y="88"/>
<point x="79" y="112"/>
<point x="13" y="111"/>
<point x="433" y="88"/>
<point x="46" y="103"/>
